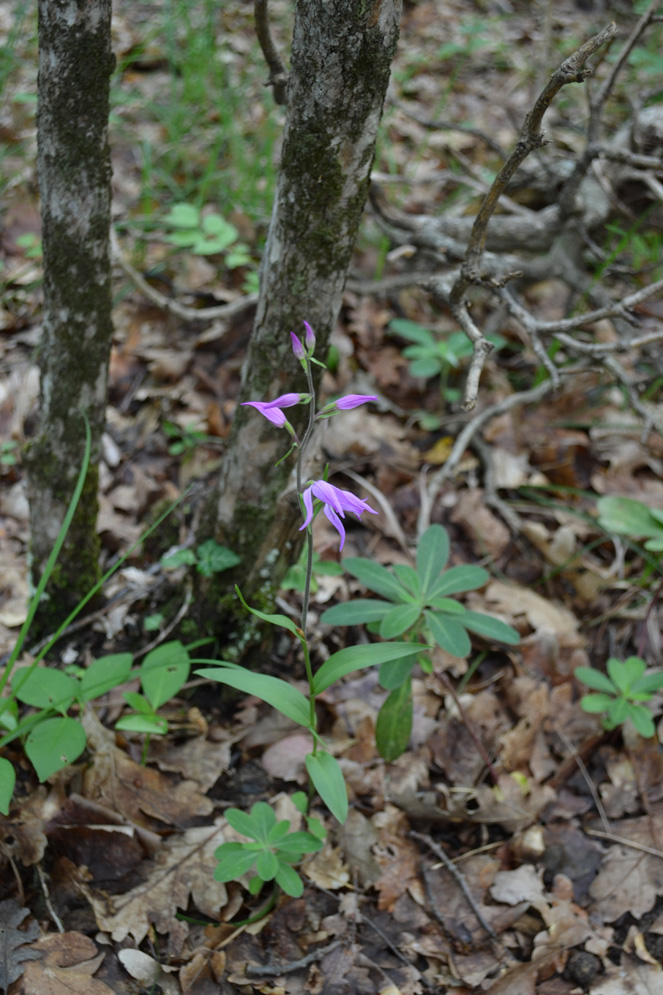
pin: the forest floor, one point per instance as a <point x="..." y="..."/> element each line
<point x="538" y="872"/>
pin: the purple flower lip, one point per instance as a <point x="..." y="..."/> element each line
<point x="272" y="409"/>
<point x="336" y="502"/>
<point x="353" y="401"/>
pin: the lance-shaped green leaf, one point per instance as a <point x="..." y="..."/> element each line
<point x="281" y="620"/>
<point x="595" y="679"/>
<point x="490" y="628"/>
<point x="458" y="579"/>
<point x="432" y="555"/>
<point x="398" y="620"/>
<point x="394" y="724"/>
<point x="448" y="633"/>
<point x="277" y="693"/>
<point x="328" y="781"/>
<point x="356" y="612"/>
<point x="377" y="578"/>
<point x="626" y="516"/>
<point x="357" y="657"/>
<point x="7" y="782"/>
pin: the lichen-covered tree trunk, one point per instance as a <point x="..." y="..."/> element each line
<point x="340" y="64"/>
<point x="75" y="63"/>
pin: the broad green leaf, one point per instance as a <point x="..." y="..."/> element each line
<point x="647" y="685"/>
<point x="375" y="577"/>
<point x="300" y="842"/>
<point x="164" y="672"/>
<point x="595" y="703"/>
<point x="213" y="558"/>
<point x="356" y="612"/>
<point x="104" y="674"/>
<point x="447" y="605"/>
<point x="54" y="744"/>
<point x="394" y="672"/>
<point x="182" y="558"/>
<point x="398" y="620"/>
<point x="595" y="679"/>
<point x="394" y="724"/>
<point x="655" y="545"/>
<point x="327" y="778"/>
<point x="458" y="579"/>
<point x="266" y="865"/>
<point x="289" y="881"/>
<point x="425" y="367"/>
<point x="263" y="818"/>
<point x="277" y="832"/>
<point x="281" y="620"/>
<point x="432" y="555"/>
<point x="242" y="822"/>
<point x="620" y="673"/>
<point x="183" y="239"/>
<point x="7" y="782"/>
<point x="618" y="711"/>
<point x="44" y="688"/>
<point x="409" y="578"/>
<point x="412" y="331"/>
<point x="138" y="702"/>
<point x="642" y="720"/>
<point x="148" y="725"/>
<point x="448" y="634"/>
<point x="233" y="861"/>
<point x="626" y="516"/>
<point x="277" y="693"/>
<point x="490" y="628"/>
<point x="183" y="216"/>
<point x="357" y="657"/>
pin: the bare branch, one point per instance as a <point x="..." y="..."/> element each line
<point x="278" y="74"/>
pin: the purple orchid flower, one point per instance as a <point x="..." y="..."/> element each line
<point x="336" y="502"/>
<point x="272" y="409"/>
<point x="353" y="401"/>
<point x="309" y="339"/>
<point x="297" y="347"/>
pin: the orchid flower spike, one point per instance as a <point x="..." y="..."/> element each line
<point x="336" y="502"/>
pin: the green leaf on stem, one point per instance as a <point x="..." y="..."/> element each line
<point x="7" y="782"/>
<point x="328" y="781"/>
<point x="54" y="744"/>
<point x="277" y="693"/>
<point x="356" y="612"/>
<point x="432" y="555"/>
<point x="281" y="620"/>
<point x="104" y="674"/>
<point x="44" y="687"/>
<point x="357" y="657"/>
<point x="394" y="724"/>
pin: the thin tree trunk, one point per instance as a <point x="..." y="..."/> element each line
<point x="75" y="63"/>
<point x="341" y="60"/>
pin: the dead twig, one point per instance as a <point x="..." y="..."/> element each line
<point x="531" y="137"/>
<point x="458" y="878"/>
<point x="278" y="74"/>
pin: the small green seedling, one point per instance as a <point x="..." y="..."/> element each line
<point x="208" y="558"/>
<point x="162" y="675"/>
<point x="205" y="235"/>
<point x="626" y="516"/>
<point x="619" y="692"/>
<point x="9" y="452"/>
<point x="273" y="848"/>
<point x="186" y="440"/>
<point x="416" y="604"/>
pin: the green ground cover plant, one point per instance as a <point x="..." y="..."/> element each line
<point x="416" y="603"/>
<point x="621" y="694"/>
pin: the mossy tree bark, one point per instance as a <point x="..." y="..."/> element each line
<point x="75" y="63"/>
<point x="340" y="64"/>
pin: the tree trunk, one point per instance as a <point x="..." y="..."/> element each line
<point x="75" y="63"/>
<point x="341" y="61"/>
